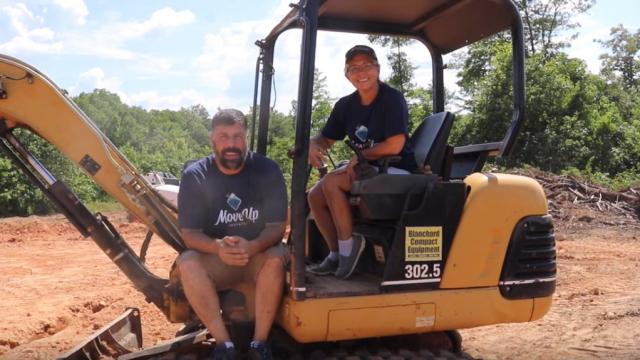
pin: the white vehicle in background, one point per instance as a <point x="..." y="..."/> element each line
<point x="166" y="184"/>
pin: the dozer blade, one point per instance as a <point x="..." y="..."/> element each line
<point x="194" y="345"/>
<point x="122" y="336"/>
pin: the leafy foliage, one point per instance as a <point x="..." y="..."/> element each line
<point x="576" y="122"/>
<point x="574" y="119"/>
<point x="151" y="140"/>
<point x="544" y="20"/>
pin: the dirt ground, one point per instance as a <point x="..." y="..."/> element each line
<point x="58" y="288"/>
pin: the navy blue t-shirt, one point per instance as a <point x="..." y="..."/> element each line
<point x="241" y="204"/>
<point x="367" y="125"/>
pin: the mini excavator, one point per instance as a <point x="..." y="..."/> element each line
<point x="453" y="249"/>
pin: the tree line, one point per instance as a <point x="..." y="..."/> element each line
<point x="576" y="121"/>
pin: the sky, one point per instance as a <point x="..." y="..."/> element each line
<point x="173" y="54"/>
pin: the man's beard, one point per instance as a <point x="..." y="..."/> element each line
<point x="233" y="163"/>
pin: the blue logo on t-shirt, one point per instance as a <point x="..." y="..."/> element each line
<point x="233" y="201"/>
<point x="361" y="133"/>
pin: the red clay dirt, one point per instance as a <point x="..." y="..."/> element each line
<point x="58" y="288"/>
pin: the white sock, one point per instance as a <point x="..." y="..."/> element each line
<point x="333" y="255"/>
<point x="345" y="246"/>
<point x="229" y="345"/>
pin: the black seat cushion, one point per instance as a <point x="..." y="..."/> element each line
<point x="429" y="140"/>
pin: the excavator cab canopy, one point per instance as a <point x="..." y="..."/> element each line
<point x="445" y="25"/>
<point x="442" y="26"/>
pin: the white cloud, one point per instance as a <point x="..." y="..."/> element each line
<point x="584" y="46"/>
<point x="227" y="53"/>
<point x="230" y="52"/>
<point x="95" y="78"/>
<point x="19" y="15"/>
<point x="160" y="19"/>
<point x="184" y="98"/>
<point x="37" y="40"/>
<point x="112" y="39"/>
<point x="76" y="8"/>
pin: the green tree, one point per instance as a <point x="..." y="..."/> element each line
<point x="545" y="20"/>
<point x="621" y="70"/>
<point x="20" y="197"/>
<point x="624" y="61"/>
<point x="568" y="123"/>
<point x="160" y="140"/>
<point x="402" y="69"/>
<point x="402" y="72"/>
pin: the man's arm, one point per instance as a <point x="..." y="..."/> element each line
<point x="318" y="146"/>
<point x="197" y="240"/>
<point x="268" y="237"/>
<point x="229" y="254"/>
<point x="391" y="146"/>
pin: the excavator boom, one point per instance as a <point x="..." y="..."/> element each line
<point x="29" y="100"/>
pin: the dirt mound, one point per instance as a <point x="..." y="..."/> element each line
<point x="572" y="200"/>
<point x="59" y="287"/>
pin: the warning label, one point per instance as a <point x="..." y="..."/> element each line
<point x="423" y="243"/>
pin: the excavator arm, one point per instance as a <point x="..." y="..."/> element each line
<point x="29" y="100"/>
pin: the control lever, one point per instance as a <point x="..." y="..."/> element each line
<point x="363" y="169"/>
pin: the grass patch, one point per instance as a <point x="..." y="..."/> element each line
<point x="105" y="206"/>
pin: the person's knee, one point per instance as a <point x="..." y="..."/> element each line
<point x="188" y="259"/>
<point x="273" y="265"/>
<point x="315" y="196"/>
<point x="334" y="184"/>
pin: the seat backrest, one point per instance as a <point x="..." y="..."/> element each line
<point x="429" y="140"/>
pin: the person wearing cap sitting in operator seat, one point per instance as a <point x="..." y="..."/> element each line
<point x="375" y="118"/>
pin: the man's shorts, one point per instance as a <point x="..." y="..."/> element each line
<point x="226" y="276"/>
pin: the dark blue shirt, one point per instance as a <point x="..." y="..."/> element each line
<point x="241" y="204"/>
<point x="367" y="125"/>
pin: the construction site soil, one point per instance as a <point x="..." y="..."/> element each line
<point x="58" y="287"/>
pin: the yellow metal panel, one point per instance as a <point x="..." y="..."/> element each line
<point x="354" y="317"/>
<point x="38" y="104"/>
<point x="496" y="202"/>
<point x="399" y="320"/>
<point x="540" y="307"/>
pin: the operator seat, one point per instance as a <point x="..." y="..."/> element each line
<point x="383" y="196"/>
<point x="429" y="141"/>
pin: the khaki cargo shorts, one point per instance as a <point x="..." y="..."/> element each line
<point x="226" y="276"/>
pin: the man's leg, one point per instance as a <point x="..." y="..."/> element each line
<point x="335" y="187"/>
<point x="201" y="293"/>
<point x="322" y="216"/>
<point x="269" y="285"/>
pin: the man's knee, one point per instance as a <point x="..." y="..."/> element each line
<point x="336" y="183"/>
<point x="315" y="196"/>
<point x="274" y="266"/>
<point x="189" y="258"/>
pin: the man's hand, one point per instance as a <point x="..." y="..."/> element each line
<point x="234" y="250"/>
<point x="316" y="154"/>
<point x="350" y="166"/>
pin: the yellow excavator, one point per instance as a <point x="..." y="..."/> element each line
<point x="453" y="249"/>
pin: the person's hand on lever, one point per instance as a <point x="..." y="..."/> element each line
<point x="317" y="155"/>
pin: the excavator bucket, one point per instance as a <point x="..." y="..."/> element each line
<point x="122" y="336"/>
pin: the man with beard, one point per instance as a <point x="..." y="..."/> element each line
<point x="232" y="212"/>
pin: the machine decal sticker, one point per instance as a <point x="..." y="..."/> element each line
<point x="233" y="201"/>
<point x="361" y="133"/>
<point x="423" y="243"/>
<point x="425" y="321"/>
